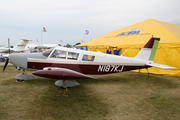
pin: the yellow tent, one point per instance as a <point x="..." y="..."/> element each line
<point x="132" y="38"/>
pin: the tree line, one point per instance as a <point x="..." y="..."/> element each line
<point x="70" y="46"/>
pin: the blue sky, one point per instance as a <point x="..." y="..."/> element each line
<point x="66" y="19"/>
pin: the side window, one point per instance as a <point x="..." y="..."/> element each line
<point x="59" y="54"/>
<point x="73" y="55"/>
<point x="88" y="58"/>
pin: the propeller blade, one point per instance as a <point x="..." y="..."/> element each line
<point x="7" y="61"/>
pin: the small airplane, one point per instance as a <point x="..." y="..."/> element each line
<point x="68" y="63"/>
<point x="20" y="47"/>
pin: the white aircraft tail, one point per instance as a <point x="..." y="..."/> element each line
<point x="21" y="45"/>
<point x="148" y="53"/>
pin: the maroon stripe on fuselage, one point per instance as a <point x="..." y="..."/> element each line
<point x="86" y="68"/>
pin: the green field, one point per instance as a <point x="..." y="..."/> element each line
<point x="122" y="96"/>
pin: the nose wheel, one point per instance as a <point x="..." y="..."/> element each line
<point x="20" y="80"/>
<point x="24" y="72"/>
<point x="24" y="77"/>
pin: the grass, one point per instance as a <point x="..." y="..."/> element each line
<point x="120" y="96"/>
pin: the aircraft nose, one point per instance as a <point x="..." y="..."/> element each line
<point x="18" y="59"/>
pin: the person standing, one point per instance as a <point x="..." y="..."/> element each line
<point x="2" y="58"/>
<point x="116" y="52"/>
<point x="109" y="51"/>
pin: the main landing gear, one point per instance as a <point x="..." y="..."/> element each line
<point x="65" y="84"/>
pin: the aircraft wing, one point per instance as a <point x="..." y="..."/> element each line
<point x="61" y="73"/>
<point x="6" y="50"/>
<point x="161" y="66"/>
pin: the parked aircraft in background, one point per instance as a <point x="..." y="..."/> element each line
<point x="20" y="47"/>
<point x="1" y="46"/>
<point x="68" y="63"/>
<point x="39" y="48"/>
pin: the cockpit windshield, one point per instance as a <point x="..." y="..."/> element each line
<point x="47" y="53"/>
<point x="59" y="54"/>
